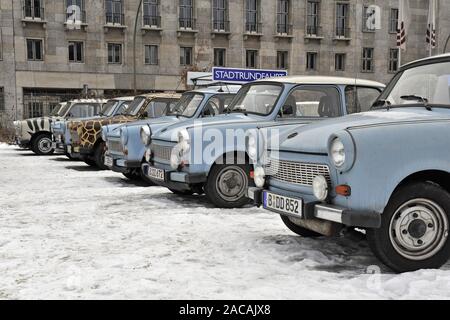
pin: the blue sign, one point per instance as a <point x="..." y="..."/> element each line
<point x="244" y="75"/>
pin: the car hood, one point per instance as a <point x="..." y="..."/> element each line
<point x="314" y="138"/>
<point x="153" y="121"/>
<point x="170" y="133"/>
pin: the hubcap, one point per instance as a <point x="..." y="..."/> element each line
<point x="419" y="229"/>
<point x="232" y="183"/>
<point x="45" y="145"/>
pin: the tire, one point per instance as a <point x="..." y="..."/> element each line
<point x="42" y="144"/>
<point x="414" y="229"/>
<point x="90" y="162"/>
<point x="70" y="157"/>
<point x="182" y="193"/>
<point x="99" y="156"/>
<point x="237" y="184"/>
<point x="299" y="230"/>
<point x="132" y="175"/>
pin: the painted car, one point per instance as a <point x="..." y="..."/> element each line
<point x="208" y="155"/>
<point x="61" y="134"/>
<point x="86" y="136"/>
<point x="386" y="171"/>
<point x="36" y="133"/>
<point x="126" y="145"/>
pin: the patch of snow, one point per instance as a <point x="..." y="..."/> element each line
<point x="70" y="232"/>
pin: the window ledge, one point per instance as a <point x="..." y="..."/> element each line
<point x="146" y="29"/>
<point x="283" y="35"/>
<point x="42" y="22"/>
<point x="313" y="37"/>
<point x="72" y="27"/>
<point x="116" y="26"/>
<point x="248" y="35"/>
<point x="337" y="38"/>
<point x="215" y="33"/>
<point x="180" y="31"/>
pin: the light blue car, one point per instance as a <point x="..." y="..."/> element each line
<point x="386" y="171"/>
<point x="127" y="143"/>
<point x="209" y="155"/>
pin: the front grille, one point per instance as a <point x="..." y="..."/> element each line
<point x="297" y="173"/>
<point x="162" y="152"/>
<point x="115" y="146"/>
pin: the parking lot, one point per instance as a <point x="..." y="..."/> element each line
<point x="69" y="231"/>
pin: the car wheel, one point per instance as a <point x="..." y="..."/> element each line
<point x="99" y="156"/>
<point x="90" y="162"/>
<point x="70" y="157"/>
<point x="227" y="185"/>
<point x="42" y="144"/>
<point x="182" y="193"/>
<point x="414" y="229"/>
<point x="306" y="233"/>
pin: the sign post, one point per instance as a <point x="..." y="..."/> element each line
<point x="233" y="75"/>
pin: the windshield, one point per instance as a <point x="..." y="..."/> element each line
<point x="108" y="108"/>
<point x="64" y="109"/>
<point x="258" y="99"/>
<point x="431" y="82"/>
<point x="56" y="111"/>
<point x="135" y="106"/>
<point x="188" y="105"/>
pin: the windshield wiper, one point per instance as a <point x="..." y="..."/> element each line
<point x="380" y="104"/>
<point x="420" y="99"/>
<point x="241" y="110"/>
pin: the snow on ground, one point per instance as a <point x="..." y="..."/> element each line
<point x="68" y="231"/>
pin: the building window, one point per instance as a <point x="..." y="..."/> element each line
<point x="393" y="60"/>
<point x="114" y="12"/>
<point x="2" y="99"/>
<point x="283" y="17"/>
<point x="114" y="53"/>
<point x="393" y="21"/>
<point x="220" y="15"/>
<point x="282" y="60"/>
<point x="186" y="56"/>
<point x="76" y="52"/>
<point x="252" y="59"/>
<point x="186" y="14"/>
<point x="1" y="45"/>
<point x="220" y="57"/>
<point x="311" y="61"/>
<point x="75" y="11"/>
<point x="252" y="16"/>
<point x="366" y="16"/>
<point x="151" y="54"/>
<point x="312" y="17"/>
<point x="367" y="60"/>
<point x="34" y="50"/>
<point x="33" y="9"/>
<point x="35" y="110"/>
<point x="151" y="13"/>
<point x="339" y="61"/>
<point x="342" y="30"/>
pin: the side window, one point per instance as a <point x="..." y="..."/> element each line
<point x="312" y="102"/>
<point x="83" y="110"/>
<point x="212" y="107"/>
<point x="172" y="106"/>
<point x="123" y="107"/>
<point x="156" y="109"/>
<point x="360" y="99"/>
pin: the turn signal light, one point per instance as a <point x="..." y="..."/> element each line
<point x="344" y="190"/>
<point x="252" y="174"/>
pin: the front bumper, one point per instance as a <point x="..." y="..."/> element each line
<point x="181" y="181"/>
<point x="122" y="165"/>
<point x="22" y="143"/>
<point x="328" y="212"/>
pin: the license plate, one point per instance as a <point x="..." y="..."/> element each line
<point x="69" y="149"/>
<point x="157" y="174"/>
<point x="109" y="162"/>
<point x="282" y="204"/>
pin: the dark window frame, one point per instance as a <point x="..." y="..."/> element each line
<point x="312" y="17"/>
<point x="114" y="46"/>
<point x="312" y="65"/>
<point x="72" y="44"/>
<point x="282" y="59"/>
<point x="34" y="56"/>
<point x="186" y="53"/>
<point x="217" y="58"/>
<point x="149" y="58"/>
<point x="252" y="58"/>
<point x="368" y="60"/>
<point x="340" y="61"/>
<point x="394" y="60"/>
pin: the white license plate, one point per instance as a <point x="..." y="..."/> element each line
<point x="283" y="204"/>
<point x="156" y="174"/>
<point x="109" y="162"/>
<point x="69" y="149"/>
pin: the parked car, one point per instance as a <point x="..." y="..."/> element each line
<point x="35" y="133"/>
<point x="183" y="159"/>
<point x="86" y="136"/>
<point x="128" y="157"/>
<point x="386" y="171"/>
<point x="59" y="128"/>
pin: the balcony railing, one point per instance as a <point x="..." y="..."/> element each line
<point x="284" y="29"/>
<point x="73" y="16"/>
<point x="152" y="21"/>
<point x="313" y="31"/>
<point x="221" y="26"/>
<point x="115" y="18"/>
<point x="251" y="27"/>
<point x="31" y="12"/>
<point x="187" y="23"/>
<point x="343" y="33"/>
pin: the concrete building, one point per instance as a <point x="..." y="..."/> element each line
<point x="44" y="58"/>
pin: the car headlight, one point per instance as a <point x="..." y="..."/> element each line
<point x="148" y="154"/>
<point x="180" y="150"/>
<point x="337" y="151"/>
<point x="146" y="135"/>
<point x="259" y="176"/>
<point x="124" y="136"/>
<point x="252" y="147"/>
<point x="320" y="188"/>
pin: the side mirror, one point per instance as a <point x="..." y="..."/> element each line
<point x="144" y="114"/>
<point x="286" y="110"/>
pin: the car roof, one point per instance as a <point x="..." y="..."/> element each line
<point x="161" y="95"/>
<point x="123" y="98"/>
<point x="444" y="57"/>
<point x="88" y="101"/>
<point x="324" y="80"/>
<point x="225" y="89"/>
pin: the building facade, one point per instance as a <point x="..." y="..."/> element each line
<point x="51" y="49"/>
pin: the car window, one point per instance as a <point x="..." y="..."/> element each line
<point x="188" y="104"/>
<point x="312" y="102"/>
<point x="123" y="107"/>
<point x="360" y="99"/>
<point x="82" y="110"/>
<point x="156" y="109"/>
<point x="217" y="105"/>
<point x="135" y="106"/>
<point x="108" y="108"/>
<point x="258" y="98"/>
